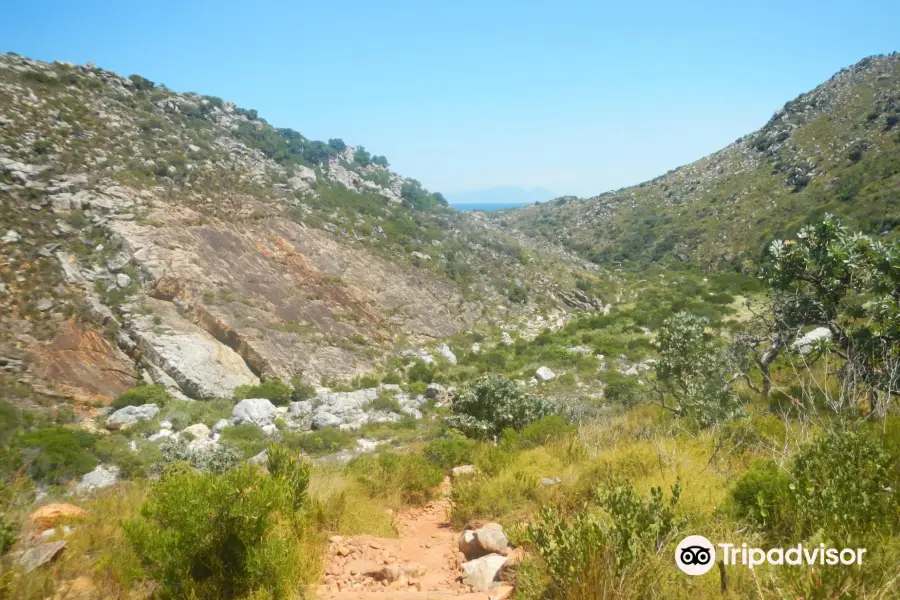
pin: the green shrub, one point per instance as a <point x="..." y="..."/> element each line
<point x="842" y="486"/>
<point x="760" y="496"/>
<point x="695" y="370"/>
<point x="451" y="451"/>
<point x="217" y="459"/>
<point x="384" y="401"/>
<point x="58" y="454"/>
<point x="202" y="535"/>
<point x="301" y="390"/>
<point x="421" y="371"/>
<point x="622" y="390"/>
<point x="143" y="394"/>
<point x="9" y="533"/>
<point x="410" y="476"/>
<point x="542" y="431"/>
<point x="290" y="469"/>
<point x="322" y="441"/>
<point x="487" y="406"/>
<point x="277" y="392"/>
<point x="246" y="437"/>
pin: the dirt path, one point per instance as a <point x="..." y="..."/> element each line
<point x="421" y="564"/>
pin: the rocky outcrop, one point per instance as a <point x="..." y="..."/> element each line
<point x="129" y="415"/>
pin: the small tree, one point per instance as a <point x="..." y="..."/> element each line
<point x="487" y="406"/>
<point x="694" y="369"/>
<point x="848" y="283"/>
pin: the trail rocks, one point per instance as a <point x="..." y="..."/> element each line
<point x="98" y="479"/>
<point x="481" y="572"/>
<point x="491" y="539"/>
<point x="129" y="415"/>
<point x="257" y="411"/>
<point x="10" y="237"/>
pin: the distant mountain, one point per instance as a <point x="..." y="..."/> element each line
<point x="509" y="195"/>
<point x="835" y="149"/>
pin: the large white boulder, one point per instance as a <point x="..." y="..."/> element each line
<point x="481" y="572"/>
<point x="545" y="374"/>
<point x="257" y="411"/>
<point x="129" y="415"/>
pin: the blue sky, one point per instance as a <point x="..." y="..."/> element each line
<point x="575" y="96"/>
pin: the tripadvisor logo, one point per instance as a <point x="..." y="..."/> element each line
<point x="696" y="555"/>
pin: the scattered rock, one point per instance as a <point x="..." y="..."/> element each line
<point x="10" y="237"/>
<point x="545" y="374"/>
<point x="99" y="478"/>
<point x="805" y="344"/>
<point x="445" y="351"/>
<point x="260" y="459"/>
<point x="481" y="572"/>
<point x="435" y="391"/>
<point x="546" y="481"/>
<point x="463" y="470"/>
<point x="39" y="555"/>
<point x="220" y="425"/>
<point x="44" y="304"/>
<point x="123" y="280"/>
<point x="129" y="415"/>
<point x="324" y="419"/>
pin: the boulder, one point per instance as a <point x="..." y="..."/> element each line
<point x="435" y="391"/>
<point x="129" y="415"/>
<point x="445" y="351"/>
<point x="123" y="280"/>
<point x="46" y="516"/>
<point x="39" y="555"/>
<point x="491" y="539"/>
<point x="324" y="419"/>
<point x="197" y="432"/>
<point x="545" y="374"/>
<point x="300" y="409"/>
<point x="260" y="459"/>
<point x="468" y="545"/>
<point x="98" y="479"/>
<point x="805" y="344"/>
<point x="257" y="411"/>
<point x="463" y="470"/>
<point x="220" y="425"/>
<point x="10" y="237"/>
<point x="481" y="572"/>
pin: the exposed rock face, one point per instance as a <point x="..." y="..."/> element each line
<point x="350" y="410"/>
<point x="201" y="365"/>
<point x="39" y="555"/>
<point x="445" y="351"/>
<point x="128" y="416"/>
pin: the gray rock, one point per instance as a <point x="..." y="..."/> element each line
<point x="435" y="391"/>
<point x="546" y="481"/>
<point x="162" y="434"/>
<point x="491" y="539"/>
<point x="44" y="304"/>
<point x="11" y="237"/>
<point x="258" y="411"/>
<point x="463" y="470"/>
<point x="117" y="263"/>
<point x="220" y="425"/>
<point x="300" y="409"/>
<point x="481" y="572"/>
<point x="197" y="431"/>
<point x="545" y="374"/>
<point x="98" y="479"/>
<point x="129" y="415"/>
<point x="39" y="555"/>
<point x="468" y="545"/>
<point x="270" y="430"/>
<point x="123" y="280"/>
<point x="580" y="350"/>
<point x="445" y="351"/>
<point x="260" y="459"/>
<point x="324" y="419"/>
<point x="805" y="344"/>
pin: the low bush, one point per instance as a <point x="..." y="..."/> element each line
<point x="57" y="454"/>
<point x="291" y="470"/>
<point x="409" y="478"/>
<point x="761" y="495"/>
<point x="277" y="392"/>
<point x="143" y="394"/>
<point x="322" y="441"/>
<point x="202" y="535"/>
<point x="451" y="451"/>
<point x="215" y="459"/>
<point x="542" y="431"/>
<point x="384" y="401"/>
<point x="487" y="406"/>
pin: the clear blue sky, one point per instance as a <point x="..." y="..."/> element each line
<point x="576" y="96"/>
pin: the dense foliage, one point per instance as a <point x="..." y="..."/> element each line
<point x="487" y="406"/>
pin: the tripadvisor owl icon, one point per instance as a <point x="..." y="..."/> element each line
<point x="695" y="555"/>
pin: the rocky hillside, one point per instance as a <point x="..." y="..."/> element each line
<point x="181" y="239"/>
<point x="835" y="149"/>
